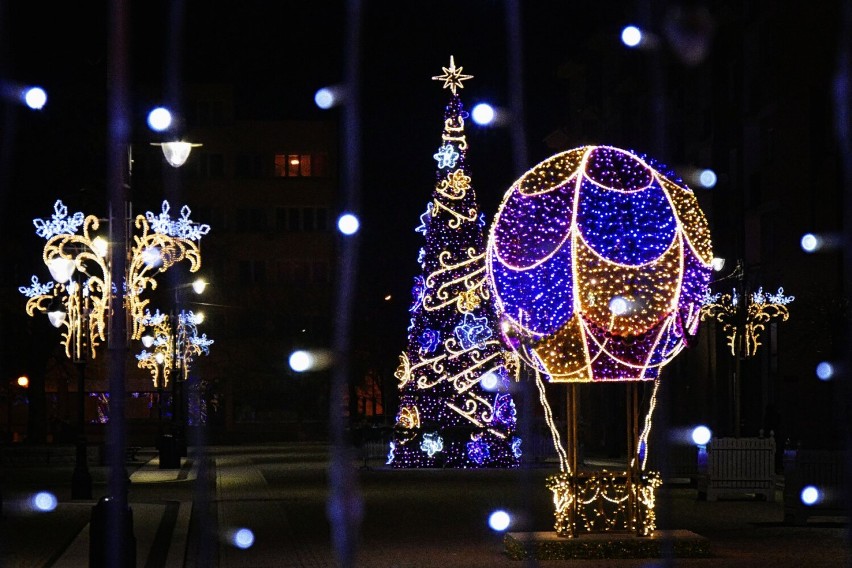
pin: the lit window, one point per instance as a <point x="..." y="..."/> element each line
<point x="300" y="165"/>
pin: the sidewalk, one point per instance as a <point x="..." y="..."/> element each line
<point x="412" y="518"/>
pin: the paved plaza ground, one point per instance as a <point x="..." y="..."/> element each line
<point x="412" y="518"/>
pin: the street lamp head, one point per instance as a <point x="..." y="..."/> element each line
<point x="176" y="152"/>
<point x="160" y="358"/>
<point x="56" y="313"/>
<point x="147" y="340"/>
<point x="61" y="269"/>
<point x="199" y="286"/>
<point x="100" y="245"/>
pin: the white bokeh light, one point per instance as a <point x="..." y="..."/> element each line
<point x="490" y="381"/>
<point x="810" y="242"/>
<point x="618" y="306"/>
<point x="35" y="98"/>
<point x="701" y="435"/>
<point x="324" y="98"/>
<point x="707" y="178"/>
<point x="301" y="361"/>
<point x="810" y="495"/>
<point x="243" y="538"/>
<point x="499" y="520"/>
<point x="159" y="119"/>
<point x="483" y="114"/>
<point x="348" y="224"/>
<point x="631" y="36"/>
<point x="44" y="501"/>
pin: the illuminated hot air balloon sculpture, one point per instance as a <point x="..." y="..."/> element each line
<point x="599" y="264"/>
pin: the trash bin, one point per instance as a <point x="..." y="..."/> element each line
<point x="103" y="530"/>
<point x="169" y="452"/>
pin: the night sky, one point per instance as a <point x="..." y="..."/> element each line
<point x="278" y="54"/>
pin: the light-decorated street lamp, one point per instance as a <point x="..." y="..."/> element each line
<point x="172" y="350"/>
<point x="744" y="314"/>
<point x="79" y="298"/>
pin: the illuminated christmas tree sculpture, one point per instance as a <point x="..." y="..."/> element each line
<point x="455" y="409"/>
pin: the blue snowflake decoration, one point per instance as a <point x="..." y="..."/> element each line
<point x="516" y="448"/>
<point x="183" y="227"/>
<point x="153" y="319"/>
<point x="504" y="409"/>
<point x="60" y="223"/>
<point x="432" y="443"/>
<point x="421" y="256"/>
<point x="425" y="218"/>
<point x="202" y="343"/>
<point x="418" y="291"/>
<point x="36" y="288"/>
<point x="473" y="331"/>
<point x="477" y="450"/>
<point x="446" y="157"/>
<point x="429" y="340"/>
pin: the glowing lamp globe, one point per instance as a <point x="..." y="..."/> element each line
<point x="599" y="263"/>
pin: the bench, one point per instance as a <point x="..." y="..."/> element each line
<point x="739" y="466"/>
<point x="824" y="469"/>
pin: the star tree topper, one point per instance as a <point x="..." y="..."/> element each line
<point x="452" y="76"/>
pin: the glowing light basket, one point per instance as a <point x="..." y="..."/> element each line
<point x="599" y="264"/>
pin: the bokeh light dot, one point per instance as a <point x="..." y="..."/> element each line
<point x="159" y="119"/>
<point x="35" y="98"/>
<point x="301" y="361"/>
<point x="348" y="224"/>
<point x="499" y="520"/>
<point x="707" y="178"/>
<point x="44" y="501"/>
<point x="810" y="495"/>
<point x="701" y="435"/>
<point x="483" y="114"/>
<point x="825" y="371"/>
<point x="324" y="98"/>
<point x="243" y="538"/>
<point x="810" y="242"/>
<point x="631" y="36"/>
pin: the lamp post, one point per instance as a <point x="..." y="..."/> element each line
<point x="744" y="314"/>
<point x="78" y="298"/>
<point x="173" y="348"/>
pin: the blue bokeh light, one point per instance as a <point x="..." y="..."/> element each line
<point x="44" y="501"/>
<point x="243" y="538"/>
<point x="825" y="371"/>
